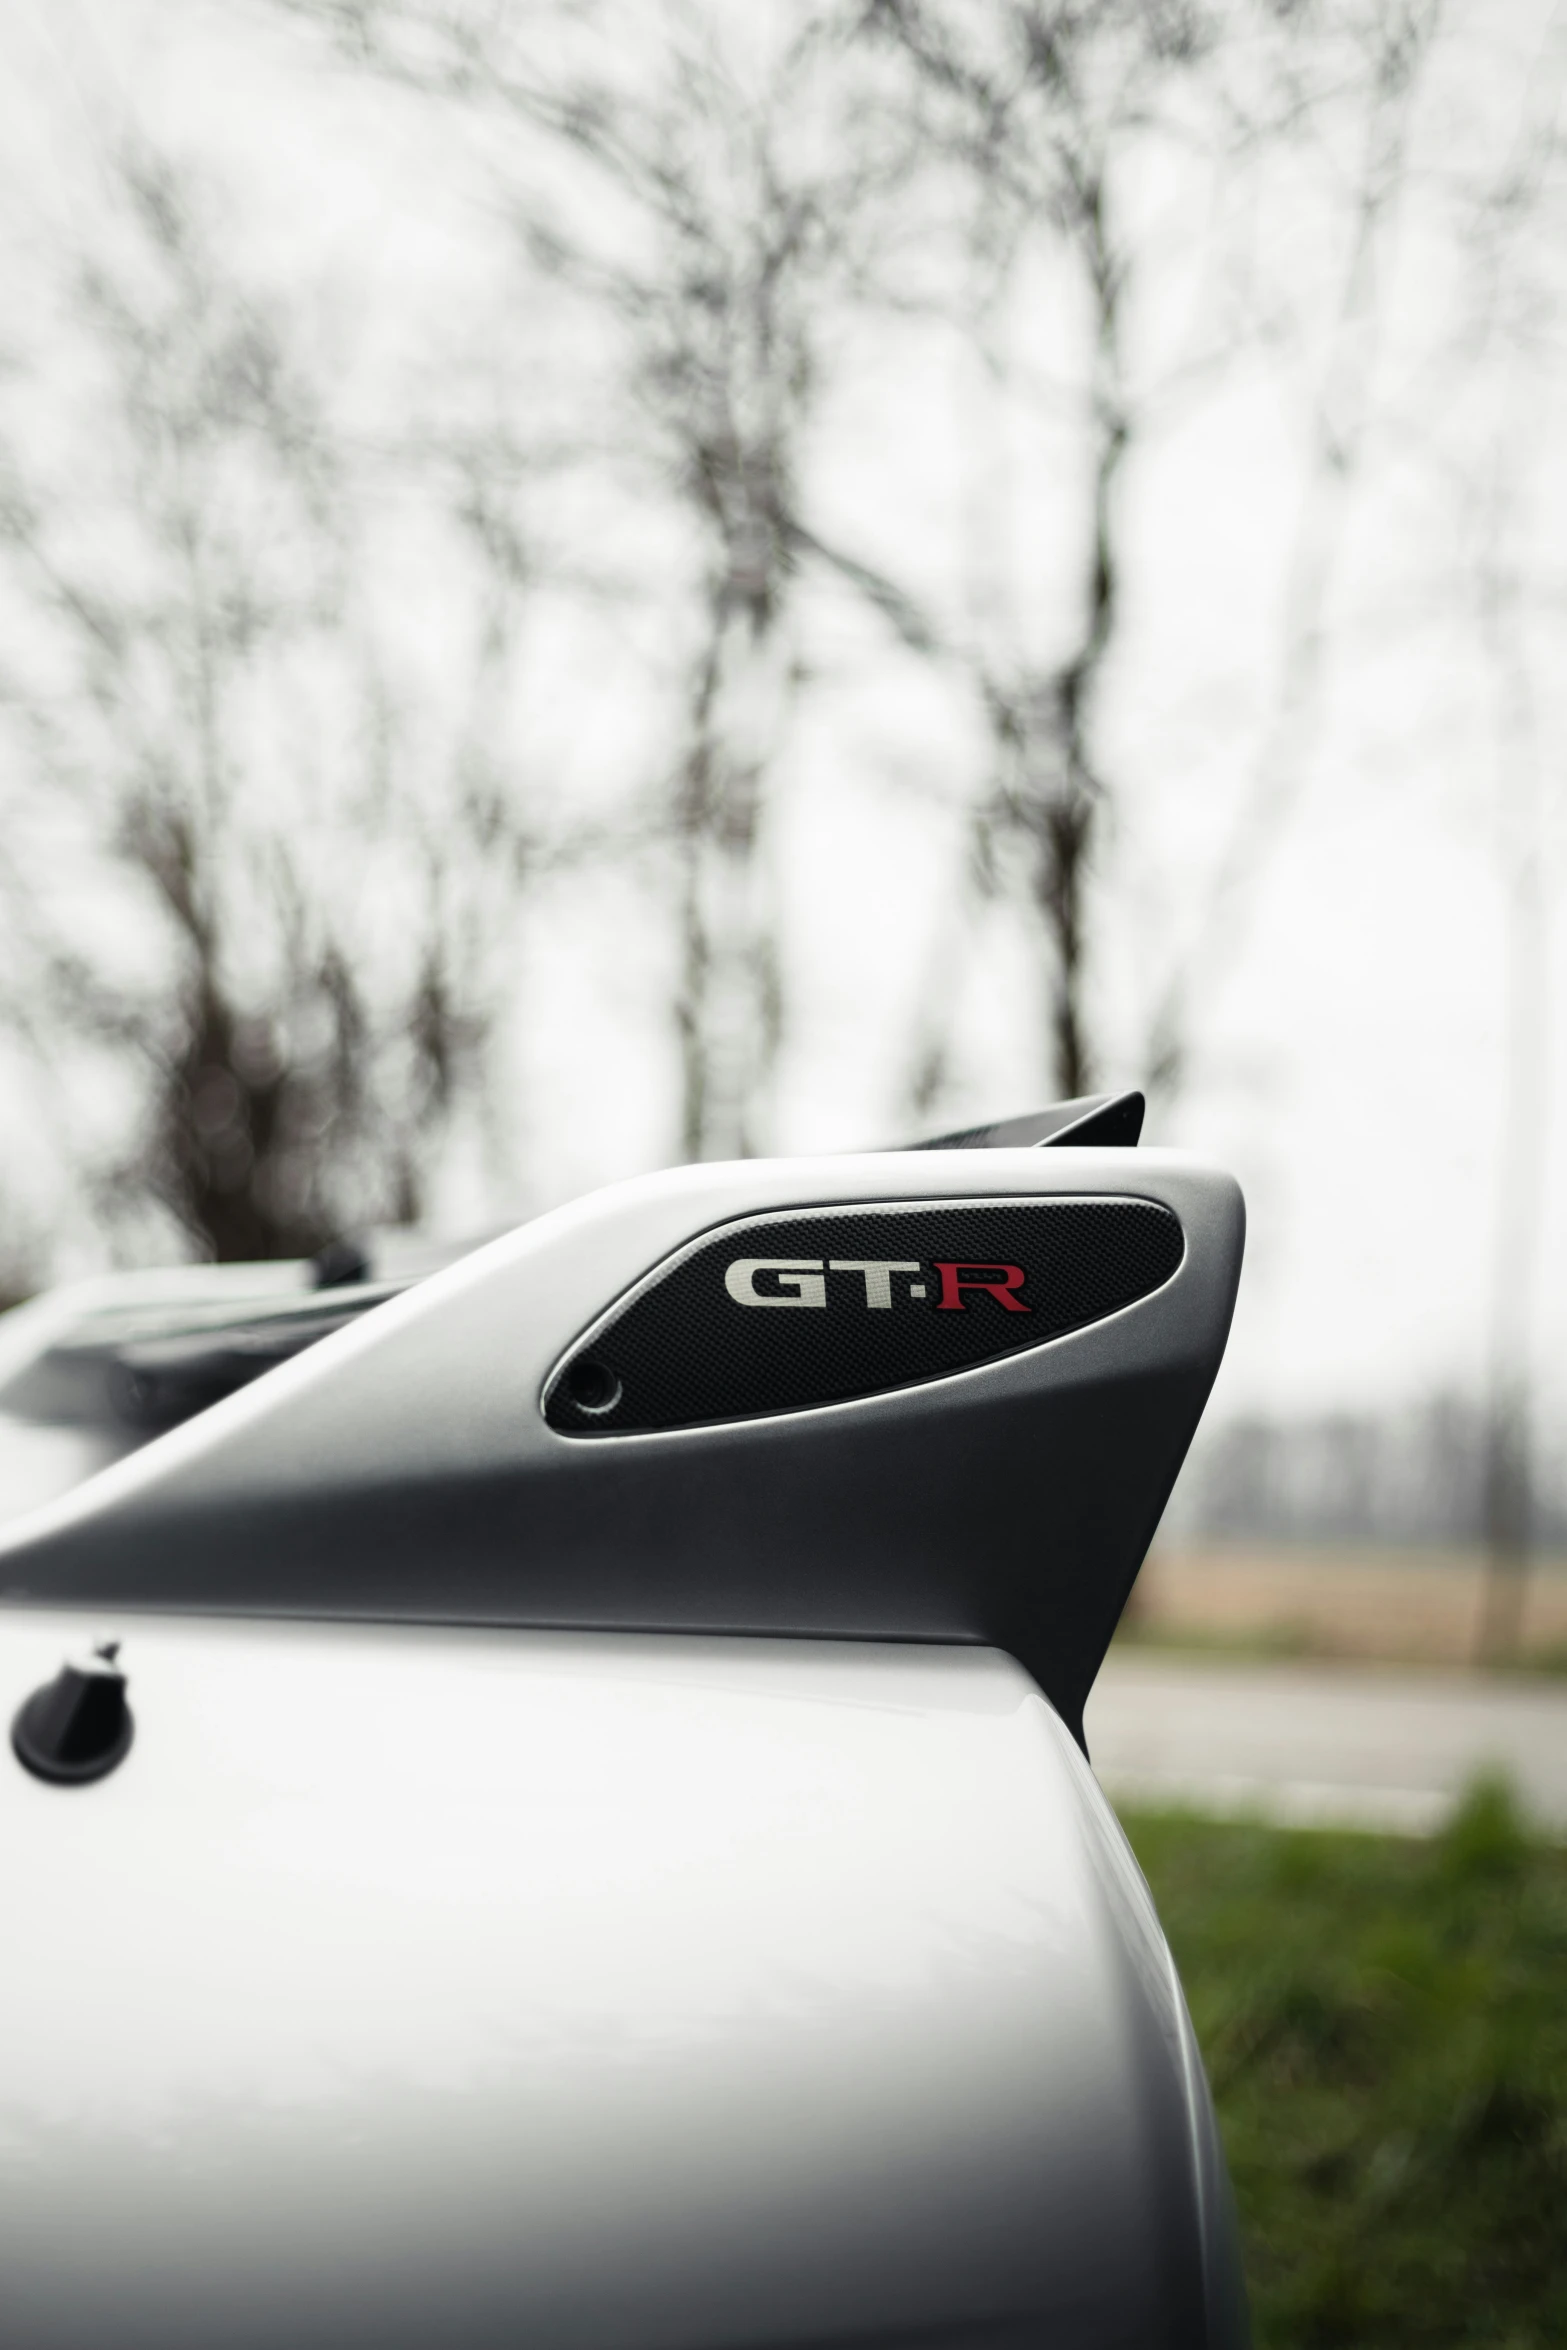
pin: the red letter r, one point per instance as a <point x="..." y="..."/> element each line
<point x="997" y="1281"/>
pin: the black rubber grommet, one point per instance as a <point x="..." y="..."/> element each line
<point x="592" y="1386"/>
<point x="76" y="1729"/>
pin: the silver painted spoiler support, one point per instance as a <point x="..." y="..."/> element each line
<point x="936" y="1396"/>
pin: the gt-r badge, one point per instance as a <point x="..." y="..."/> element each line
<point x="802" y="1281"/>
<point x="796" y="1308"/>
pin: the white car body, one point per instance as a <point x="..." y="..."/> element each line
<point x="752" y="1961"/>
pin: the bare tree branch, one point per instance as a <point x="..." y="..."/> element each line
<point x="186" y="579"/>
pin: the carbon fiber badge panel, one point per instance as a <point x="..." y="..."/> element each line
<point x="780" y="1313"/>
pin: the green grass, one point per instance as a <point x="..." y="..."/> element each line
<point x="1385" y="2026"/>
<point x="1290" y="1642"/>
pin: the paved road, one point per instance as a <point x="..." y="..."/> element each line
<point x="1388" y="1747"/>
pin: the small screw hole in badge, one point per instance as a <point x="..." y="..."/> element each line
<point x="592" y="1387"/>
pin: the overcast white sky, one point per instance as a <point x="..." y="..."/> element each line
<point x="1351" y="1046"/>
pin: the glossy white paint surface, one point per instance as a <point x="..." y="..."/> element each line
<point x="464" y="1987"/>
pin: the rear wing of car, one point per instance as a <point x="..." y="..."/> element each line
<point x="937" y="1395"/>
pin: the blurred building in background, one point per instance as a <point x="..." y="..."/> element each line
<point x="1413" y="1477"/>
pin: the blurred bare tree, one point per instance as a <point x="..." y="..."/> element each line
<point x="1352" y="77"/>
<point x="1030" y="105"/>
<point x="704" y="217"/>
<point x="298" y="983"/>
<point x="1048" y="118"/>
